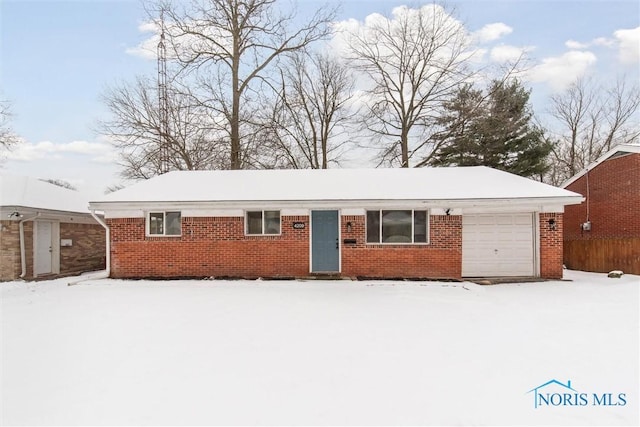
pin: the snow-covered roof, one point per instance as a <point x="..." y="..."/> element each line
<point x="618" y="149"/>
<point x="430" y="184"/>
<point x="28" y="192"/>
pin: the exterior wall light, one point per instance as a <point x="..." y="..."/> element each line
<point x="349" y="226"/>
<point x="552" y="224"/>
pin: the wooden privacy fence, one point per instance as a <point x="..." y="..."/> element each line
<point x="603" y="255"/>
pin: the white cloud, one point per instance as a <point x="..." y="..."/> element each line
<point x="96" y="151"/>
<point x="629" y="45"/>
<point x="478" y="56"/>
<point x="574" y="45"/>
<point x="507" y="53"/>
<point x="602" y="41"/>
<point x="627" y="41"/>
<point x="491" y="32"/>
<point x="345" y="30"/>
<point x="147" y="48"/>
<point x="148" y="27"/>
<point x="560" y="71"/>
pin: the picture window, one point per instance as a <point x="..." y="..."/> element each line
<point x="397" y="226"/>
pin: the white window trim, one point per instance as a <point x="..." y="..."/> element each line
<point x="246" y="222"/>
<point x="164" y="223"/>
<point x="412" y="243"/>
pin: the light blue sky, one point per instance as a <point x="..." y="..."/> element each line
<point x="57" y="57"/>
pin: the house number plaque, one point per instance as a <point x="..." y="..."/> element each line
<point x="298" y="225"/>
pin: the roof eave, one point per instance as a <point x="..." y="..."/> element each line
<point x="33" y="209"/>
<point x="626" y="148"/>
<point x="339" y="203"/>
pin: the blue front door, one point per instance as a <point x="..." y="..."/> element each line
<point x="325" y="244"/>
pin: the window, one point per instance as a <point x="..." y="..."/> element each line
<point x="397" y="226"/>
<point x="263" y="222"/>
<point x="165" y="224"/>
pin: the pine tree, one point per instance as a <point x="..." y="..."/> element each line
<point x="457" y="141"/>
<point x="492" y="130"/>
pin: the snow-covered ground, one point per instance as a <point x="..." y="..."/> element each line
<point x="111" y="352"/>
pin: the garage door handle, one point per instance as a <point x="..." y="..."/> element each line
<point x="495" y="251"/>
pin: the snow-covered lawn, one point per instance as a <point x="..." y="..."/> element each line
<point x="317" y="352"/>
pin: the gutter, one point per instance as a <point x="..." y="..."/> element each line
<point x="107" y="271"/>
<point x="23" y="254"/>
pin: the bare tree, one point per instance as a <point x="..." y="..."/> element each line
<point x="195" y="140"/>
<point x="591" y="120"/>
<point x="8" y="139"/>
<point x="415" y="62"/>
<point x="60" y="183"/>
<point x="307" y="124"/>
<point x="113" y="188"/>
<point x="229" y="46"/>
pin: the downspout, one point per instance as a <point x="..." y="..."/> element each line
<point x="23" y="251"/>
<point x="108" y="242"/>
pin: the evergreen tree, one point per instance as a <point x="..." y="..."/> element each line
<point x="493" y="130"/>
<point x="457" y="141"/>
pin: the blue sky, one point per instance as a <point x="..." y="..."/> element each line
<point x="57" y="58"/>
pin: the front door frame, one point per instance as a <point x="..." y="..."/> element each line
<point x="53" y="245"/>
<point x="339" y="233"/>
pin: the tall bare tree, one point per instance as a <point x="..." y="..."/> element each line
<point x="415" y="61"/>
<point x="591" y="119"/>
<point x="229" y="46"/>
<point x="307" y="124"/>
<point x="195" y="140"/>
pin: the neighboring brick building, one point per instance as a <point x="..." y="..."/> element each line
<point x="603" y="233"/>
<point x="381" y="223"/>
<point x="46" y="231"/>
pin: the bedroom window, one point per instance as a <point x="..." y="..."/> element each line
<point x="397" y="226"/>
<point x="164" y="224"/>
<point x="262" y="222"/>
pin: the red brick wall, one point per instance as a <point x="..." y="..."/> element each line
<point x="218" y="247"/>
<point x="209" y="247"/>
<point x="614" y="201"/>
<point x="441" y="258"/>
<point x="551" y="246"/>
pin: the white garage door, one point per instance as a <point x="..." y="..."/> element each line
<point x="497" y="245"/>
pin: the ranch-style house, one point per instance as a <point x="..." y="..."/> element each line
<point x="438" y="223"/>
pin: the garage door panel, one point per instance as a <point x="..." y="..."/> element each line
<point x="497" y="245"/>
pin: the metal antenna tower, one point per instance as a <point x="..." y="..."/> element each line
<point x="163" y="100"/>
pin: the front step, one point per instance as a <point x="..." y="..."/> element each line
<point x="327" y="276"/>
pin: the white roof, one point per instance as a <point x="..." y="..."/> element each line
<point x="430" y="184"/>
<point x="621" y="148"/>
<point x="27" y="192"/>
